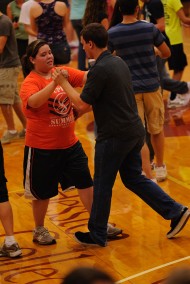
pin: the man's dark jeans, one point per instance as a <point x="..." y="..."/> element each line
<point x="113" y="155"/>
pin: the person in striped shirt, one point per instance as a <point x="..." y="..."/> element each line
<point x="137" y="43"/>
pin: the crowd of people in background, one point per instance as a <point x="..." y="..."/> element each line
<point x="35" y="37"/>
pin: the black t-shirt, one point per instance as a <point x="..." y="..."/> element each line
<point x="109" y="90"/>
<point x="152" y="11"/>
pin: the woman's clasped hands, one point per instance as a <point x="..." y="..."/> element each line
<point x="60" y="76"/>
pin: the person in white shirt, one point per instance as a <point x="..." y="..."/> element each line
<point x="25" y="19"/>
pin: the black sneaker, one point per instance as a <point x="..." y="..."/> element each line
<point x="178" y="223"/>
<point x="85" y="239"/>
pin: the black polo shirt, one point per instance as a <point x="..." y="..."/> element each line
<point x="109" y="90"/>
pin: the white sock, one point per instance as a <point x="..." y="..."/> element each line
<point x="12" y="131"/>
<point x="10" y="240"/>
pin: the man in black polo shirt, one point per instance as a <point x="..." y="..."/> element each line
<point x="120" y="137"/>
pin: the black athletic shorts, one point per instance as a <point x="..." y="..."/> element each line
<point x="44" y="169"/>
<point x="178" y="60"/>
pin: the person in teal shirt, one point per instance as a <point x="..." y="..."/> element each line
<point x="13" y="12"/>
<point x="76" y="16"/>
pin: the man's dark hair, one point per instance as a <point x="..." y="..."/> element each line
<point x="96" y="33"/>
<point x="87" y="275"/>
<point x="128" y="7"/>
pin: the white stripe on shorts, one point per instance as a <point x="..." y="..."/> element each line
<point x="28" y="194"/>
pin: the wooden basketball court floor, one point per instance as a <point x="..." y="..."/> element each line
<point x="141" y="255"/>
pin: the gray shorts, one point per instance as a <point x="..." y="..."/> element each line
<point x="8" y="85"/>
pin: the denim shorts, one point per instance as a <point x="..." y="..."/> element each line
<point x="45" y="169"/>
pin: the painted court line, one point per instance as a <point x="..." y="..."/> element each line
<point x="152" y="269"/>
<point x="179" y="182"/>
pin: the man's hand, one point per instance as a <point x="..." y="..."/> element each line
<point x="60" y="78"/>
<point x="15" y="25"/>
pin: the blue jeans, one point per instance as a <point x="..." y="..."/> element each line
<point x="167" y="83"/>
<point x="113" y="155"/>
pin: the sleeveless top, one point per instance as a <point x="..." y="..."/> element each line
<point x="50" y="25"/>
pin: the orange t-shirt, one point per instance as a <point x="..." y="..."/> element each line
<point x="50" y="126"/>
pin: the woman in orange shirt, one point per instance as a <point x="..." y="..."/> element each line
<point x="53" y="153"/>
<point x="52" y="149"/>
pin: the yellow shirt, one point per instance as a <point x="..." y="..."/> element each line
<point x="172" y="21"/>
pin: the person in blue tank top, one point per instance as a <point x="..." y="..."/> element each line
<point x="48" y="19"/>
<point x="137" y="43"/>
<point x="76" y="15"/>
